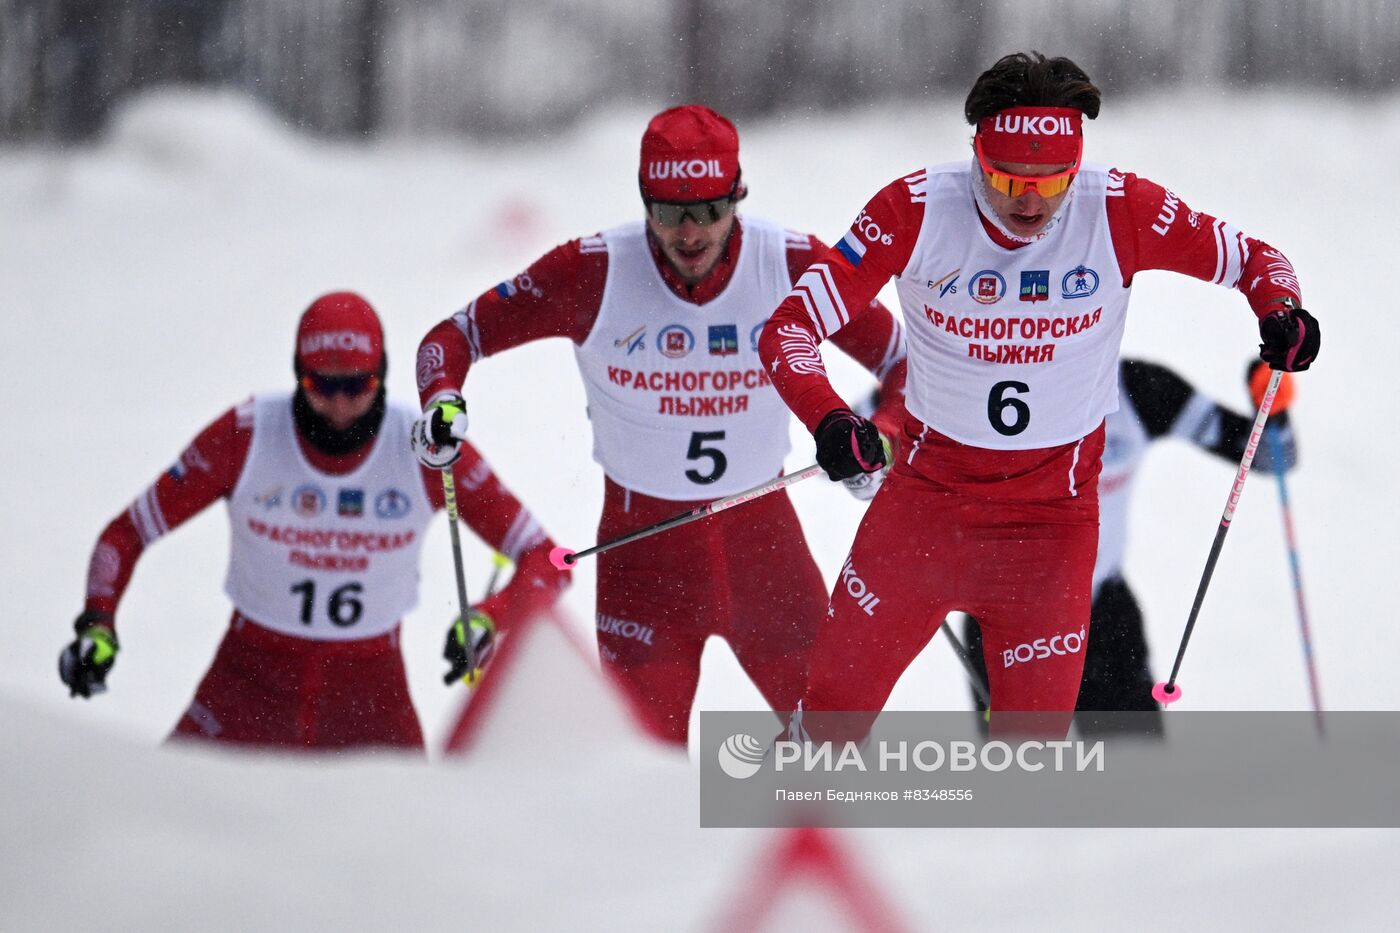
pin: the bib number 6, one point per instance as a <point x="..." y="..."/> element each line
<point x="1019" y="417"/>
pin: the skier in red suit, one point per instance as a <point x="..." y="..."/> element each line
<point x="1014" y="269"/>
<point x="664" y="316"/>
<point x="327" y="508"/>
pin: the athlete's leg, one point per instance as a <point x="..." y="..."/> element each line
<point x="1116" y="673"/>
<point x="777" y="596"/>
<point x="657" y="601"/>
<point x="363" y="697"/>
<point x="1031" y="595"/>
<point x="890" y="596"/>
<point x="249" y="695"/>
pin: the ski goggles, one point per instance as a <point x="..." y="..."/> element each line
<point x="353" y="384"/>
<point x="704" y="213"/>
<point x="1013" y="185"/>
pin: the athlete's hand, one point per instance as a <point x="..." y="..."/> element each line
<point x="483" y="635"/>
<point x="84" y="664"/>
<point x="848" y="445"/>
<point x="1290" y="339"/>
<point x="437" y="435"/>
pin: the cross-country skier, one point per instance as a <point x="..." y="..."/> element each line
<point x="665" y="317"/>
<point x="1154" y="403"/>
<point x="327" y="510"/>
<point x="1014" y="269"/>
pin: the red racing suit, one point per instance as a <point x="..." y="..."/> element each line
<point x="269" y="688"/>
<point x="746" y="574"/>
<point x="1006" y="534"/>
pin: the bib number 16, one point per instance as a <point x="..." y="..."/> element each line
<point x="1008" y="414"/>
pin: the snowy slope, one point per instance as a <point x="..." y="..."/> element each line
<point x="155" y="280"/>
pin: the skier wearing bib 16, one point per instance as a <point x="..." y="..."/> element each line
<point x="665" y="317"/>
<point x="1014" y="269"/>
<point x="327" y="509"/>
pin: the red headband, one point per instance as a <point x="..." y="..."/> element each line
<point x="1034" y="135"/>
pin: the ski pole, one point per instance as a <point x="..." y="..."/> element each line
<point x="979" y="685"/>
<point x="449" y="493"/>
<point x="1168" y="692"/>
<point x="564" y="558"/>
<point x="1275" y="448"/>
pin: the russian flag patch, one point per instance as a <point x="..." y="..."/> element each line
<point x="852" y="248"/>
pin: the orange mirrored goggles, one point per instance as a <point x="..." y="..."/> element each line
<point x="1012" y="185"/>
<point x="354" y="384"/>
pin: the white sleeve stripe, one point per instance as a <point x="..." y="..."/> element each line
<point x="827" y="299"/>
<point x="1237" y="265"/>
<point x="465" y="320"/>
<point x="803" y="292"/>
<point x="147" y="517"/>
<point x="1220" y="260"/>
<point x="524" y="534"/>
<point x="825" y="272"/>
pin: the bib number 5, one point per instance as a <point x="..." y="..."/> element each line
<point x="1008" y="415"/>
<point x="718" y="463"/>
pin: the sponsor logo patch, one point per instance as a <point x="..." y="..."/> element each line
<point x="1079" y="282"/>
<point x="1035" y="285"/>
<point x="987" y="287"/>
<point x="350" y="503"/>
<point x="724" y="339"/>
<point x="392" y="503"/>
<point x="675" y="341"/>
<point x="949" y="283"/>
<point x="633" y="341"/>
<point x="308" y="501"/>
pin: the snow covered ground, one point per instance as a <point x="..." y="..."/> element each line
<point x="154" y="280"/>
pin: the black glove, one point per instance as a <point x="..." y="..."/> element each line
<point x="848" y="445"/>
<point x="1290" y="339"/>
<point x="483" y="636"/>
<point x="84" y="664"/>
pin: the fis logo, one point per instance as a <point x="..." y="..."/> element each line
<point x="949" y="283"/>
<point x="633" y="341"/>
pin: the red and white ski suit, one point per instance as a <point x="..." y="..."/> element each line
<point x="991" y="506"/>
<point x="276" y="681"/>
<point x="745" y="574"/>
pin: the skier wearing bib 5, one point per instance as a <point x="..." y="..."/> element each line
<point x="327" y="509"/>
<point x="665" y="317"/>
<point x="1014" y="269"/>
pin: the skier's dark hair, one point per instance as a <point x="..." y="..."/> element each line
<point x="1031" y="80"/>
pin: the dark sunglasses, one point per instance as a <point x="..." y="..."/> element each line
<point x="704" y="213"/>
<point x="353" y="384"/>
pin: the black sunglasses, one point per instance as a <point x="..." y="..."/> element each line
<point x="353" y="384"/>
<point x="704" y="213"/>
